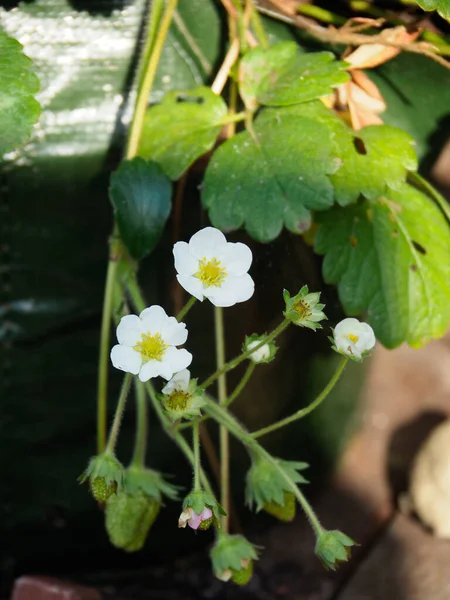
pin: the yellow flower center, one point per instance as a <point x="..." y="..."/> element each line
<point x="302" y="309"/>
<point x="211" y="273"/>
<point x="353" y="338"/>
<point x="151" y="347"/>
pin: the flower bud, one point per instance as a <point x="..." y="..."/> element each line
<point x="196" y="521"/>
<point x="283" y="512"/>
<point x="128" y="519"/>
<point x="265" y="354"/>
<point x="105" y="474"/>
<point x="232" y="558"/>
<point x="304" y="309"/>
<point x="181" y="397"/>
<point x="200" y="511"/>
<point x="353" y="339"/>
<point x="333" y="547"/>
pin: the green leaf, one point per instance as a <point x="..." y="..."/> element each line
<point x="18" y="84"/>
<point x="272" y="179"/>
<point x="368" y="160"/>
<point x="391" y="258"/>
<point x="281" y="75"/>
<point x="417" y="93"/>
<point x="442" y="6"/>
<point x="141" y="196"/>
<point x="181" y="129"/>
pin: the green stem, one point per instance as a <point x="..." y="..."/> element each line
<point x="154" y="19"/>
<point x="114" y="433"/>
<point x="140" y="444"/>
<point x="132" y="287"/>
<point x="103" y="362"/>
<point x="223" y="431"/>
<point x="225" y="418"/>
<point x="176" y="436"/>
<point x="232" y="118"/>
<point x="232" y="364"/>
<point x="259" y="27"/>
<point x="241" y="385"/>
<point x="321" y="14"/>
<point x="186" y="308"/>
<point x="196" y="448"/>
<point x="426" y="186"/>
<point x="307" y="409"/>
<point x="148" y="79"/>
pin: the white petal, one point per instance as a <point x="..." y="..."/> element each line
<point x="232" y="291"/>
<point x="346" y="326"/>
<point x="174" y="333"/>
<point x="129" y="330"/>
<point x="193" y="285"/>
<point x="150" y="369"/>
<point x="185" y="263"/>
<point x="236" y="258"/>
<point x="176" y="359"/>
<point x="206" y="243"/>
<point x="126" y="359"/>
<point x="180" y="381"/>
<point x="154" y="319"/>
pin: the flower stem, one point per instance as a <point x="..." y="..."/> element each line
<point x="176" y="436"/>
<point x="259" y="27"/>
<point x="307" y="409"/>
<point x="241" y="385"/>
<point x="223" y="431"/>
<point x="427" y="187"/>
<point x="140" y="444"/>
<point x="114" y="433"/>
<point x="232" y="364"/>
<point x="196" y="448"/>
<point x="153" y="54"/>
<point x="225" y="418"/>
<point x="186" y="308"/>
<point x="102" y="384"/>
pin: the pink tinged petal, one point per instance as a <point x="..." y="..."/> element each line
<point x="129" y="330"/>
<point x="185" y="263"/>
<point x="206" y="243"/>
<point x="126" y="359"/>
<point x="194" y="521"/>
<point x="153" y="319"/>
<point x="150" y="369"/>
<point x="174" y="333"/>
<point x="236" y="258"/>
<point x="206" y="514"/>
<point x="192" y="285"/>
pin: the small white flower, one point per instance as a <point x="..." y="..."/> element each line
<point x="353" y="338"/>
<point x="179" y="382"/>
<point x="260" y="355"/>
<point x="210" y="267"/>
<point x="147" y="345"/>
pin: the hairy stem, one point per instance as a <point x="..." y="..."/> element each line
<point x="140" y="444"/>
<point x="196" y="449"/>
<point x="114" y="433"/>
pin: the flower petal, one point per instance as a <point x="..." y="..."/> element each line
<point x="174" y="333"/>
<point x="192" y="285"/>
<point x="126" y="359"/>
<point x="150" y="369"/>
<point x="236" y="258"/>
<point x="153" y="319"/>
<point x="185" y="262"/>
<point x="346" y="326"/>
<point x="129" y="330"/>
<point x="194" y="521"/>
<point x="232" y="291"/>
<point x="180" y="381"/>
<point x="178" y="359"/>
<point x="206" y="243"/>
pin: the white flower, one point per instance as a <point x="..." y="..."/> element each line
<point x="353" y="338"/>
<point x="179" y="382"/>
<point x="210" y="267"/>
<point x="260" y="355"/>
<point x="147" y="345"/>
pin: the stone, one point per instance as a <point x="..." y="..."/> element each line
<point x="30" y="587"/>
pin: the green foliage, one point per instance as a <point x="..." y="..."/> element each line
<point x="442" y="6"/>
<point x="141" y="196"/>
<point x="181" y="129"/>
<point x="391" y="258"/>
<point x="229" y="551"/>
<point x="139" y="479"/>
<point x="332" y="548"/>
<point x="18" y="108"/>
<point x="281" y="75"/>
<point x="271" y="178"/>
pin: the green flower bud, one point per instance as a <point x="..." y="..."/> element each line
<point x="283" y="512"/>
<point x="265" y="354"/>
<point x="332" y="548"/>
<point x="128" y="518"/>
<point x="232" y="557"/>
<point x="269" y="490"/>
<point x="304" y="309"/>
<point x="105" y="474"/>
<point x="181" y="397"/>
